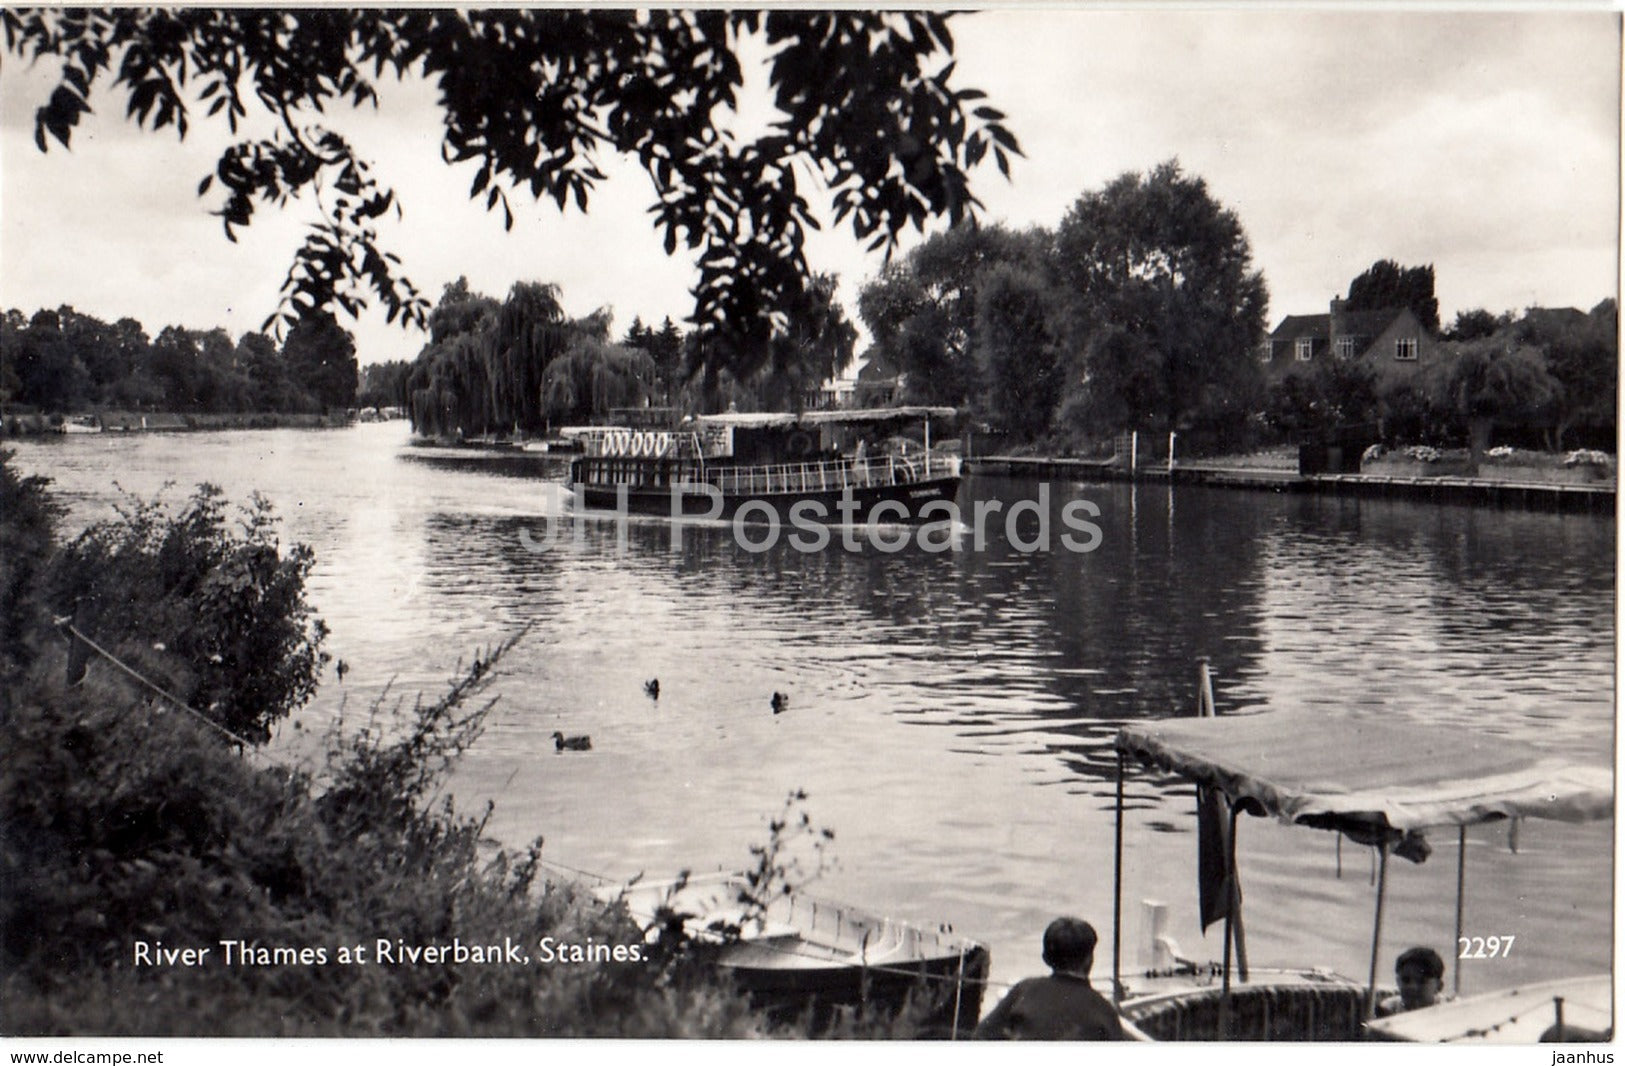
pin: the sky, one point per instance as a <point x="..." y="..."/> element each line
<point x="1484" y="142"/>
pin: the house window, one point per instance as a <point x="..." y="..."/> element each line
<point x="1345" y="347"/>
<point x="1405" y="349"/>
<point x="1304" y="348"/>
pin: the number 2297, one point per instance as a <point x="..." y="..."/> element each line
<point x="1484" y="947"/>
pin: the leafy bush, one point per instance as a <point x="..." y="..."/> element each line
<point x="123" y="825"/>
<point x="1424" y="453"/>
<point x="27" y="523"/>
<point x="224" y="607"/>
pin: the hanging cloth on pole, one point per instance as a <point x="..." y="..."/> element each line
<point x="1212" y="827"/>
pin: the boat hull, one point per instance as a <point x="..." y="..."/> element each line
<point x="813" y="961"/>
<point x="882" y="504"/>
<point x="1282" y="1006"/>
<point x="943" y="992"/>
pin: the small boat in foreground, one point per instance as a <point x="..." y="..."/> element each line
<point x="771" y="467"/>
<point x="1380" y="783"/>
<point x="804" y="954"/>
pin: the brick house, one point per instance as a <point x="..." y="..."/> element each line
<point x="1393" y="341"/>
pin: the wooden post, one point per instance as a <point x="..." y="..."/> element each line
<point x="1117" y="893"/>
<point x="1231" y="915"/>
<point x="1376" y="928"/>
<point x="1461" y="891"/>
<point x="78" y="650"/>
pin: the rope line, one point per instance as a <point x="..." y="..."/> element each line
<point x="163" y="693"/>
<point x="1488" y="1029"/>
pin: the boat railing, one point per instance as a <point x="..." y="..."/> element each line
<point x="831" y="475"/>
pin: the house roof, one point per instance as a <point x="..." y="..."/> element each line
<point x="876" y="368"/>
<point x="1294" y="326"/>
<point x="1554" y="316"/>
<point x="1368" y="323"/>
<point x="1351" y="323"/>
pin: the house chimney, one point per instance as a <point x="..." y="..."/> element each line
<point x="1335" y="328"/>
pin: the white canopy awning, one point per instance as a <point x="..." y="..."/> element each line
<point x="1340" y="773"/>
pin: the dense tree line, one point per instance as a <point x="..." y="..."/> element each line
<point x="64" y="360"/>
<point x="1141" y="309"/>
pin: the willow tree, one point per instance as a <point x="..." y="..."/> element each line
<point x="594" y="377"/>
<point x="1490" y="381"/>
<point x="528" y="332"/>
<point x="484" y="370"/>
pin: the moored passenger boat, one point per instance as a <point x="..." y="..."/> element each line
<point x="819" y="466"/>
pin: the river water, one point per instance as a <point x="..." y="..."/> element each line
<point x="951" y="712"/>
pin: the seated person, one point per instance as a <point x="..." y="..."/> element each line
<point x="1062" y="1006"/>
<point x="1420" y="975"/>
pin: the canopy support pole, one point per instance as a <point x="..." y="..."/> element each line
<point x="1461" y="892"/>
<point x="1232" y="916"/>
<point x="927" y="445"/>
<point x="1376" y="927"/>
<point x="1117" y="893"/>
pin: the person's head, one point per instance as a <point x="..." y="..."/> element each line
<point x="1069" y="944"/>
<point x="1420" y="973"/>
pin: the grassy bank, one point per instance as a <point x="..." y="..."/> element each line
<point x="1513" y="466"/>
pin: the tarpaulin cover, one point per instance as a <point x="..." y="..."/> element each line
<point x="1340" y="773"/>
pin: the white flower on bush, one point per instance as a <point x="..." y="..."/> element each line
<point x="1587" y="457"/>
<point x="1422" y="453"/>
<point x="1373" y="453"/>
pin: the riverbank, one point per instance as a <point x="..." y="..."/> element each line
<point x="1549" y="488"/>
<point x="119" y="421"/>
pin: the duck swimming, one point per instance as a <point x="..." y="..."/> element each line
<point x="781" y="703"/>
<point x="651" y="688"/>
<point x="564" y="743"/>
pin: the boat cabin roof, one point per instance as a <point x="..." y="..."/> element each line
<point x="853" y="416"/>
<point x="1364" y="774"/>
